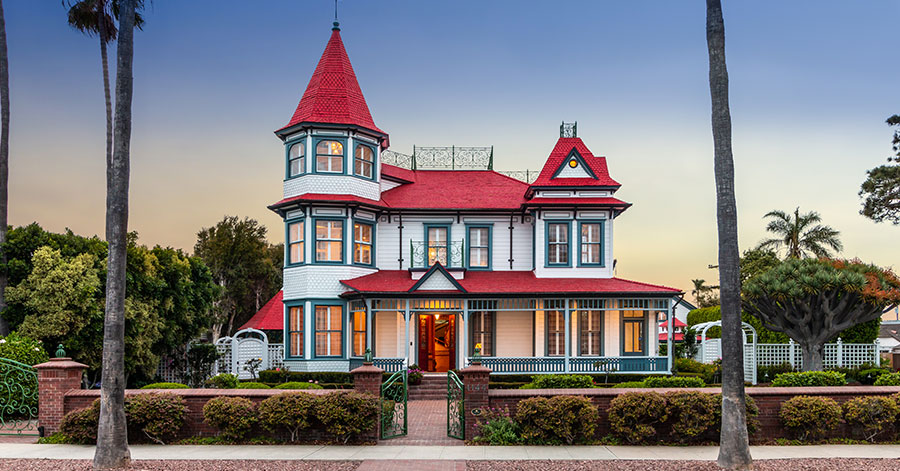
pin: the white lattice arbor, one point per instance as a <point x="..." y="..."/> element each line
<point x="246" y="345"/>
<point x="712" y="350"/>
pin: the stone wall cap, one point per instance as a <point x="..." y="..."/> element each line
<point x="475" y="369"/>
<point x="367" y="369"/>
<point x="752" y="391"/>
<point x="62" y="363"/>
<point x="209" y="392"/>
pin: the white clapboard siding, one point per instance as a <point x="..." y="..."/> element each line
<point x="513" y="334"/>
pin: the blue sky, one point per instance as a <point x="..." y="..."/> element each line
<point x="811" y="86"/>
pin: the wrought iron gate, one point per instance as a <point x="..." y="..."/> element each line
<point x="456" y="412"/>
<point x="18" y="398"/>
<point x="393" y="405"/>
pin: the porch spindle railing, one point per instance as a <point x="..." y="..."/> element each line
<point x="529" y="365"/>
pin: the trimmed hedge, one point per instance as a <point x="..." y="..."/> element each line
<point x="80" y="426"/>
<point x="278" y="377"/>
<point x="809" y="417"/>
<point x="298" y="385"/>
<point x="165" y="386"/>
<point x="253" y="385"/>
<point x="223" y="381"/>
<point x="872" y="416"/>
<point x="347" y="416"/>
<point x="159" y="416"/>
<point x="559" y="382"/>
<point x="692" y="413"/>
<point x="674" y="382"/>
<point x="233" y="416"/>
<point x="891" y="379"/>
<point x="292" y="412"/>
<point x="635" y="416"/>
<point x="557" y="420"/>
<point x="810" y="378"/>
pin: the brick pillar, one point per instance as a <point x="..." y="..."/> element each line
<point x="475" y="381"/>
<point x="55" y="378"/>
<point x="367" y="379"/>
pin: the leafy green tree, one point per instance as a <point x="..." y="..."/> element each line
<point x="242" y="265"/>
<point x="813" y="300"/>
<point x="881" y="190"/>
<point x="757" y="261"/>
<point x="801" y="235"/>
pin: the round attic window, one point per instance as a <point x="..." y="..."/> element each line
<point x="573" y="163"/>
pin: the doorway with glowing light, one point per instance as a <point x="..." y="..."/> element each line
<point x="437" y="341"/>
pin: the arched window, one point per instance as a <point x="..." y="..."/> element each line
<point x="364" y="161"/>
<point x="330" y="157"/>
<point x="296" y="159"/>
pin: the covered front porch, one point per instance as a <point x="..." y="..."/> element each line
<point x="519" y="335"/>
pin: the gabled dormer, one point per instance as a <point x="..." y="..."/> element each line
<point x="331" y="143"/>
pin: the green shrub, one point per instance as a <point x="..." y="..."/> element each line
<point x="634" y="416"/>
<point x="80" y="426"/>
<point x="767" y="373"/>
<point x="253" y="385"/>
<point x="691" y="413"/>
<point x="496" y="427"/>
<point x="298" y="385"/>
<point x="557" y="419"/>
<point x="287" y="376"/>
<point x="165" y="386"/>
<point x="233" y="416"/>
<point x="674" y="382"/>
<point x="890" y="379"/>
<point x="22" y="349"/>
<point x="288" y="411"/>
<point x="159" y="416"/>
<point x="559" y="382"/>
<point x="871" y="416"/>
<point x="810" y="378"/>
<point x="688" y="365"/>
<point x="222" y="381"/>
<point x="810" y="418"/>
<point x="870" y="375"/>
<point x="347" y="416"/>
<point x="631" y="384"/>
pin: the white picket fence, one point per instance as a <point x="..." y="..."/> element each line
<point x="234" y="353"/>
<point x="837" y="355"/>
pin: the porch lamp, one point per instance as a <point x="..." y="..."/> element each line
<point x="367" y="358"/>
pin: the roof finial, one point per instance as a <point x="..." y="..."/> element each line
<point x="568" y="129"/>
<point x="337" y="26"/>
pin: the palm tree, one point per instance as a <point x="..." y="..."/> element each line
<point x="4" y="162"/>
<point x="801" y="234"/>
<point x="112" y="435"/>
<point x="734" y="444"/>
<point x="703" y="294"/>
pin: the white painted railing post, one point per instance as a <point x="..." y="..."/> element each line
<point x="877" y="353"/>
<point x="791" y="348"/>
<point x="840" y="353"/>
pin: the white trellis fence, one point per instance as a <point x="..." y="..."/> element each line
<point x="234" y="352"/>
<point x="836" y="355"/>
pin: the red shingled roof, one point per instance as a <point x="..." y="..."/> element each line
<point x="464" y="189"/>
<point x="558" y="156"/>
<point x="333" y="95"/>
<point x="506" y="282"/>
<point x="270" y="317"/>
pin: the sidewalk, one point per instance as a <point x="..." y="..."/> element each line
<point x="465" y="453"/>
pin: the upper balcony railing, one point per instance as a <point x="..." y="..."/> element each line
<point x="449" y="255"/>
<point x="452" y="158"/>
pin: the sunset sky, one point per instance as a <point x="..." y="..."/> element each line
<point x="811" y="85"/>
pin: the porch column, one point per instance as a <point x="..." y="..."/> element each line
<point x="370" y="316"/>
<point x="568" y="350"/>
<point x="464" y="335"/>
<point x="406" y="321"/>
<point x="670" y="335"/>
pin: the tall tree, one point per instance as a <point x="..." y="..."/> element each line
<point x="881" y="190"/>
<point x="704" y="294"/>
<point x="4" y="165"/>
<point x="801" y="235"/>
<point x="734" y="443"/>
<point x="112" y="434"/>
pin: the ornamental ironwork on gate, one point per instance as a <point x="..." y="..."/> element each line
<point x="18" y="398"/>
<point x="456" y="412"/>
<point x="393" y="405"/>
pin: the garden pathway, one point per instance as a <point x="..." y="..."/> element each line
<point x="426" y="425"/>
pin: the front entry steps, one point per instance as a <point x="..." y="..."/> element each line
<point x="432" y="387"/>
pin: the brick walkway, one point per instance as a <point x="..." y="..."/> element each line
<point x="427" y="425"/>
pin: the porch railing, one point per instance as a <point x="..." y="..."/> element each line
<point x="528" y="365"/>
<point x="453" y="258"/>
<point x="389" y="365"/>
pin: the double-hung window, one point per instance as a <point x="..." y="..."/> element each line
<point x="591" y="245"/>
<point x="363" y="161"/>
<point x="329" y="240"/>
<point x="296" y="158"/>
<point x="556" y="333"/>
<point x="295" y="331"/>
<point x="482" y="332"/>
<point x="633" y="331"/>
<point x="590" y="325"/>
<point x="296" y="243"/>
<point x="358" y="328"/>
<point x="362" y="243"/>
<point x="330" y="157"/>
<point x="558" y="243"/>
<point x="479" y="247"/>
<point x="437" y="245"/>
<point x="329" y="331"/>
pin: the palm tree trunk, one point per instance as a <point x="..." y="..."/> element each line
<point x="112" y="435"/>
<point x="104" y="40"/>
<point x="734" y="446"/>
<point x="4" y="165"/>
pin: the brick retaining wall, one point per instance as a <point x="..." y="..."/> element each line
<point x="768" y="399"/>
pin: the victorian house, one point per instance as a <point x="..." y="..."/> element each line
<point x="434" y="257"/>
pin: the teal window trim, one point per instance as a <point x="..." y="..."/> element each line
<point x="645" y="318"/>
<point x="315" y="155"/>
<point x="343" y="330"/>
<point x="601" y="243"/>
<point x="568" y="244"/>
<point x="289" y="354"/>
<point x="490" y="246"/>
<point x="371" y="243"/>
<point x="428" y="227"/>
<point x="287" y="157"/>
<point x="562" y="333"/>
<point x="357" y="144"/>
<point x="288" y="243"/>
<point x="353" y="331"/>
<point x="492" y="332"/>
<point x="582" y="329"/>
<point x="315" y="251"/>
